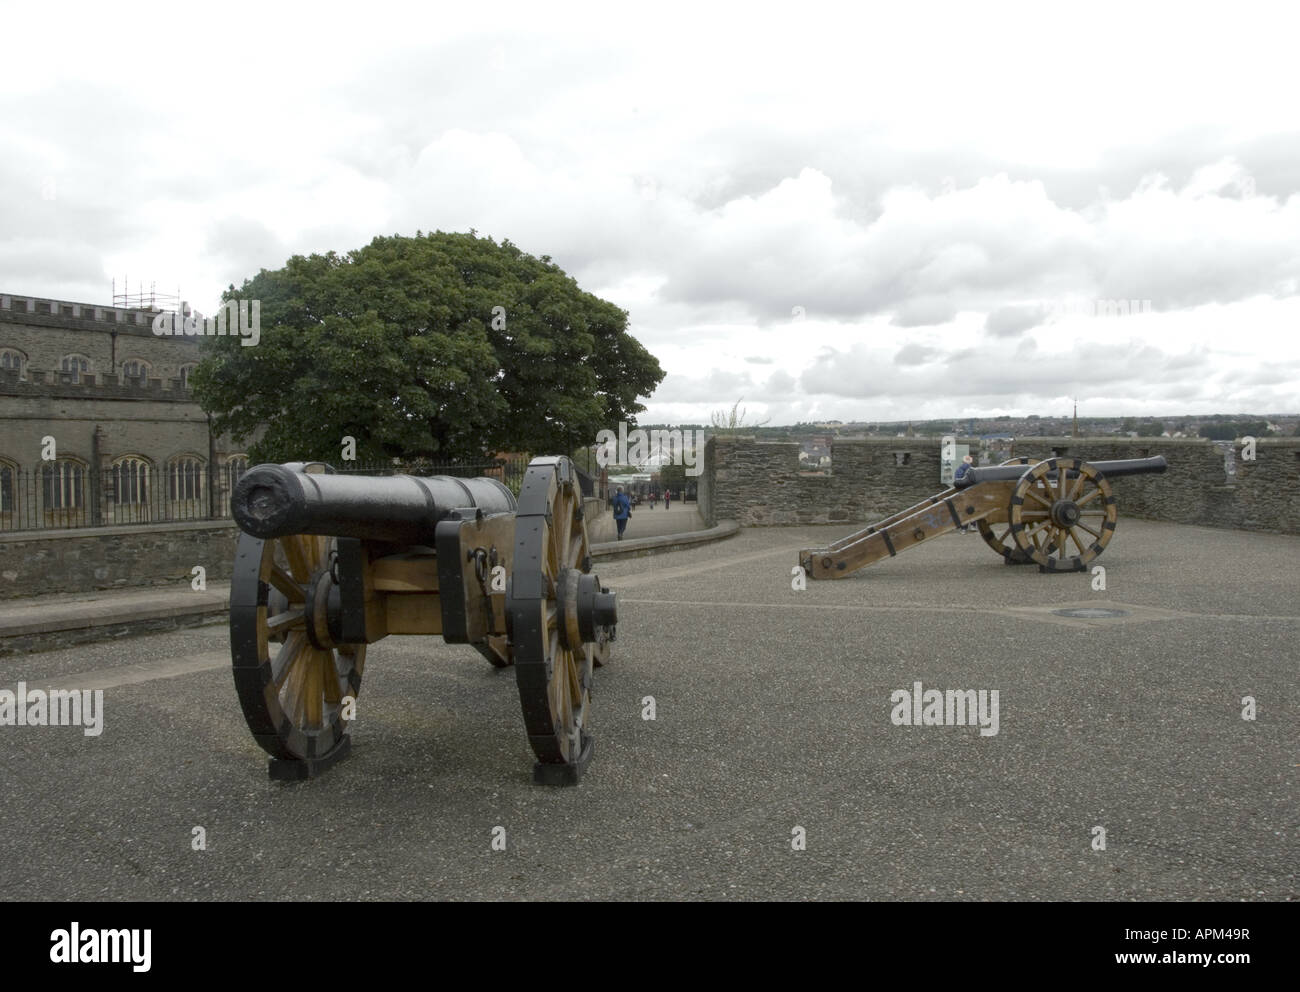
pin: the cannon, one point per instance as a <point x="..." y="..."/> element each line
<point x="1059" y="514"/>
<point x="328" y="563"/>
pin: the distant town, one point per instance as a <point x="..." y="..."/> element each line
<point x="1217" y="427"/>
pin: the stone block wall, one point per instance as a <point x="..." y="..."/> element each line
<point x="1267" y="492"/>
<point x="758" y="483"/>
<point x="34" y="563"/>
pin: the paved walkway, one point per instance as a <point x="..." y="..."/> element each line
<point x="773" y="722"/>
<point x="93" y="608"/>
<point x="680" y="518"/>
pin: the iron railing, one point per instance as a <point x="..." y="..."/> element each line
<point x="66" y="494"/>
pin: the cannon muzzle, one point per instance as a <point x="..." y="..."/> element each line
<point x="279" y="500"/>
<point x="1110" y="469"/>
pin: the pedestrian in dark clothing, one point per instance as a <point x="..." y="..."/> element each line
<point x="622" y="510"/>
<point x="966" y="465"/>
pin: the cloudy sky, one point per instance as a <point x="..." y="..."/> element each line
<point x="880" y="214"/>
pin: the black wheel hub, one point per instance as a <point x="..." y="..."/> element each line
<point x="597" y="608"/>
<point x="323" y="613"/>
<point x="1065" y="513"/>
<point x="588" y="609"/>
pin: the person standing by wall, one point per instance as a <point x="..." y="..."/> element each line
<point x="622" y="510"/>
<point x="966" y="465"/>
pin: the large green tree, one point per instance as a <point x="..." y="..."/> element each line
<point x="441" y="346"/>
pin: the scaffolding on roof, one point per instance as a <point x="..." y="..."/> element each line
<point x="143" y="299"/>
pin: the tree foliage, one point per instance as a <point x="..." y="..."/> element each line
<point x="400" y="345"/>
<point x="1229" y="430"/>
<point x="673" y="477"/>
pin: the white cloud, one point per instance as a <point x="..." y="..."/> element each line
<point x="903" y="214"/>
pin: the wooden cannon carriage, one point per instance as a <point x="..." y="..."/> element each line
<point x="330" y="563"/>
<point x="1059" y="514"/>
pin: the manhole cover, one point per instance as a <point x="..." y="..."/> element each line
<point x="1090" y="613"/>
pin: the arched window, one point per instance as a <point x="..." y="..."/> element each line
<point x="135" y="369"/>
<point x="236" y="466"/>
<point x="12" y="359"/>
<point x="76" y="364"/>
<point x="185" y="374"/>
<point x="131" y="479"/>
<point x="63" y="492"/>
<point x="8" y="493"/>
<point x="185" y="478"/>
<point x="131" y="489"/>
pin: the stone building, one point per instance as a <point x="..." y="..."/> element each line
<point x="97" y="422"/>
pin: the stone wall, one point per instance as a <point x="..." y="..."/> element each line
<point x="89" y="419"/>
<point x="760" y="483"/>
<point x="1267" y="493"/>
<point x="704" y="483"/>
<point x="33" y="563"/>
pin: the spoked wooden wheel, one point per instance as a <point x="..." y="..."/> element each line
<point x="561" y="621"/>
<point x="292" y="679"/>
<point x="999" y="536"/>
<point x="1052" y="519"/>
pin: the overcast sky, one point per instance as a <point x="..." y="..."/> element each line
<point x="842" y="215"/>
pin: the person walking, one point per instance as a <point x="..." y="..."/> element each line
<point x="622" y="510"/>
<point x="668" y="498"/>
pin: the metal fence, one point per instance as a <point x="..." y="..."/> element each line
<point x="65" y="494"/>
<point x="509" y="471"/>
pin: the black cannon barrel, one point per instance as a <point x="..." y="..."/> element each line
<point x="1110" y="469"/>
<point x="279" y="500"/>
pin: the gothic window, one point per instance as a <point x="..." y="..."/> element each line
<point x="76" y="364"/>
<point x="8" y="484"/>
<point x="185" y="478"/>
<point x="63" y="485"/>
<point x="131" y="480"/>
<point x="10" y="359"/>
<point x="236" y="467"/>
<point x="135" y="369"/>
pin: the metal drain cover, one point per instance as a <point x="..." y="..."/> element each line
<point x="1090" y="613"/>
